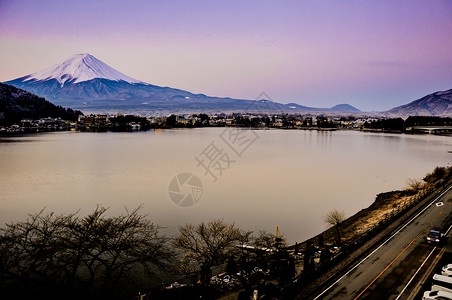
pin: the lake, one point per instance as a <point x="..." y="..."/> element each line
<point x="258" y="179"/>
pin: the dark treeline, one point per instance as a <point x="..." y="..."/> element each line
<point x="72" y="257"/>
<point x="428" y="121"/>
<point x="173" y="121"/>
<point x="386" y="124"/>
<point x="399" y="124"/>
<point x="122" y="122"/>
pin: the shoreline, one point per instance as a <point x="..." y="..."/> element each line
<point x="385" y="206"/>
<point x="363" y="229"/>
<point x="28" y="131"/>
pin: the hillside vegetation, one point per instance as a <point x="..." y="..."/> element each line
<point x="17" y="104"/>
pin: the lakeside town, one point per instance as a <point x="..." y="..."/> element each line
<point x="127" y="122"/>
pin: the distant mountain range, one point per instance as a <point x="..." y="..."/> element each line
<point x="17" y="104"/>
<point x="86" y="83"/>
<point x="436" y="104"/>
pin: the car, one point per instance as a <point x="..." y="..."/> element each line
<point x="434" y="237"/>
<point x="175" y="285"/>
<point x="441" y="283"/>
<point x="437" y="295"/>
<point x="447" y="270"/>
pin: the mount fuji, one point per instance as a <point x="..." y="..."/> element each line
<point x="79" y="68"/>
<point x="84" y="82"/>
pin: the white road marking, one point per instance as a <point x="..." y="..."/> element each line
<point x="448" y="230"/>
<point x="417" y="271"/>
<point x="390" y="238"/>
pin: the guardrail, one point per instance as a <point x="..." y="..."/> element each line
<point x="304" y="279"/>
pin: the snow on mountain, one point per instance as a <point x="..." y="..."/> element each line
<point x="435" y="104"/>
<point x="79" y="68"/>
<point x="86" y="83"/>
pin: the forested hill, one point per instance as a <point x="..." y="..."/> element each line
<point x="17" y="104"/>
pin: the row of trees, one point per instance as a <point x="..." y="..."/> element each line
<point x="400" y="124"/>
<point x="55" y="255"/>
<point x="114" y="256"/>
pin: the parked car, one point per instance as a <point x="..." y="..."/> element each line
<point x="434" y="237"/>
<point x="447" y="270"/>
<point x="437" y="295"/>
<point x="441" y="283"/>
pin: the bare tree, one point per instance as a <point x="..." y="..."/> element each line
<point x="93" y="254"/>
<point x="335" y="219"/>
<point x="268" y="240"/>
<point x="31" y="250"/>
<point x="125" y="246"/>
<point x="415" y="184"/>
<point x="207" y="245"/>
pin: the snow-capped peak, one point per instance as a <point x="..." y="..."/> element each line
<point x="81" y="67"/>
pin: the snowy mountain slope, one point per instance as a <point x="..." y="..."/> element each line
<point x="86" y="83"/>
<point x="435" y="104"/>
<point x="83" y="77"/>
<point x="79" y="68"/>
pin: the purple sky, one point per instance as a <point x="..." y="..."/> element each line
<point x="371" y="54"/>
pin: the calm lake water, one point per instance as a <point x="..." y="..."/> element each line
<point x="289" y="179"/>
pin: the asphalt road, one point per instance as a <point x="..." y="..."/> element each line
<point x="388" y="271"/>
